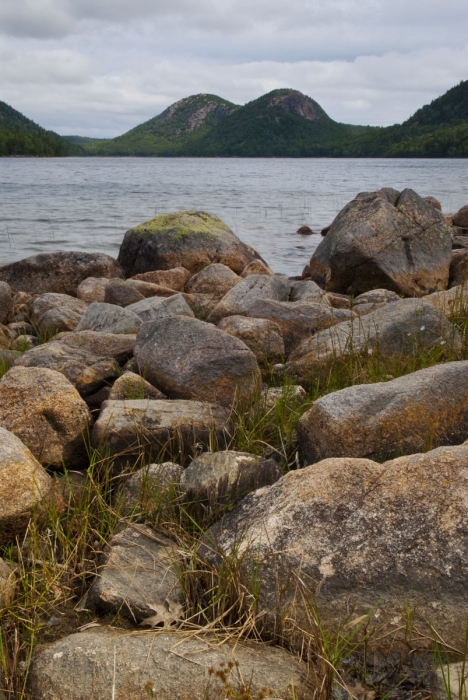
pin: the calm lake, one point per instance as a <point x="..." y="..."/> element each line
<point x="89" y="203"/>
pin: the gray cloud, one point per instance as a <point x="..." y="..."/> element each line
<point x="101" y="67"/>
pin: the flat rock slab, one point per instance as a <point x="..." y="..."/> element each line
<point x="157" y="308"/>
<point x="58" y="272"/>
<point x="166" y="666"/>
<point x="189" y="359"/>
<point x="385" y="239"/>
<point x="364" y="537"/>
<point x="25" y="489"/>
<point x="254" y="287"/>
<point x="108" y="318"/>
<point x="46" y="412"/>
<point x="136" y="574"/>
<point x="189" y="239"/>
<point x="88" y="359"/>
<point x="405" y="415"/>
<point x="399" y="328"/>
<point x="173" y="428"/>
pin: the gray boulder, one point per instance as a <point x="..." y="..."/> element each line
<point x="263" y="337"/>
<point x="53" y="313"/>
<point x="461" y="217"/>
<point x="108" y="318"/>
<point x="215" y="481"/>
<point x="378" y="421"/>
<point x="458" y="268"/>
<point x="190" y="359"/>
<point x="399" y="328"/>
<point x="132" y="386"/>
<point x="360" y="539"/>
<point x="159" y="429"/>
<point x="239" y="299"/>
<point x="6" y="302"/>
<point x="136" y="574"/>
<point x="46" y="412"/>
<point x="306" y="290"/>
<point x="163" y="665"/>
<point x="190" y="239"/>
<point x="385" y="239"/>
<point x="157" y="308"/>
<point x="25" y="490"/>
<point x="376" y="296"/>
<point x="58" y="272"/>
<point x="297" y="319"/>
<point x="150" y="487"/>
<point x="88" y="359"/>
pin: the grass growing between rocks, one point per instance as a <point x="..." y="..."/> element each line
<point x="55" y="562"/>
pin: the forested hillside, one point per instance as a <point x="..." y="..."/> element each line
<point x="19" y="136"/>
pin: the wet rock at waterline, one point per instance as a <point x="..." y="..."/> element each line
<point x="43" y="409"/>
<point x="189" y="239"/>
<point x="263" y="337"/>
<point x="214" y="481"/>
<point x="167" y="666"/>
<point x="160" y="429"/>
<point x="399" y="328"/>
<point x="108" y="318"/>
<point x="364" y="538"/>
<point x="189" y="359"/>
<point x="381" y="420"/>
<point x="58" y="272"/>
<point x="26" y="491"/>
<point x="137" y="575"/>
<point x="88" y="359"/>
<point x="385" y="239"/>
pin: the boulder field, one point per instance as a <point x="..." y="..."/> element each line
<point x="271" y="457"/>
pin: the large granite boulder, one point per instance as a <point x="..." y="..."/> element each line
<point x="252" y="288"/>
<point x="399" y="328"/>
<point x="108" y="318"/>
<point x="53" y="313"/>
<point x="159" y="429"/>
<point x="6" y="302"/>
<point x="88" y="359"/>
<point x="262" y="336"/>
<point x="46" y="412"/>
<point x="385" y="239"/>
<point x="189" y="359"/>
<point x="25" y="489"/>
<point x="215" y="481"/>
<point x="136" y="574"/>
<point x="378" y="421"/>
<point x="58" y="272"/>
<point x="166" y="666"/>
<point x="359" y="538"/>
<point x="190" y="239"/>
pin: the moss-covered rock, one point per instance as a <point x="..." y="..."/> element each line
<point x="191" y="239"/>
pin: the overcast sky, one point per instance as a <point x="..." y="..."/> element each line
<point x="100" y="67"/>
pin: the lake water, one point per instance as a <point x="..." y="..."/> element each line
<point x="88" y="204"/>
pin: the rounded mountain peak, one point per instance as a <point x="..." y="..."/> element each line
<point x="297" y="103"/>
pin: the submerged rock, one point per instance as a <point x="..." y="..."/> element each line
<point x="189" y="239"/>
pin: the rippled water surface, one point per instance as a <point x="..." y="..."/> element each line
<point x="88" y="204"/>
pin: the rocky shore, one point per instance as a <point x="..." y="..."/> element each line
<point x="220" y="482"/>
